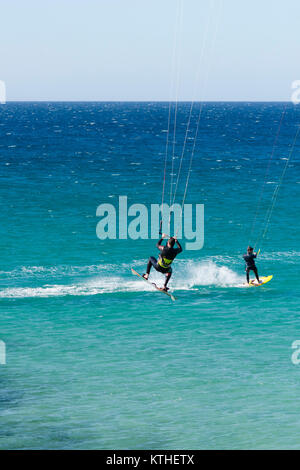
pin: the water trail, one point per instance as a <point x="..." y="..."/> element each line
<point x="187" y="275"/>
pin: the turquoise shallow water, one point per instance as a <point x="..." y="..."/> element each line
<point x="95" y="358"/>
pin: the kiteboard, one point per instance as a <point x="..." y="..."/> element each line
<point x="264" y="279"/>
<point x="153" y="284"/>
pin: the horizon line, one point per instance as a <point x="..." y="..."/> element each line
<point x="148" y="101"/>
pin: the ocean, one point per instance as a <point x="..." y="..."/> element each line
<point x="94" y="357"/>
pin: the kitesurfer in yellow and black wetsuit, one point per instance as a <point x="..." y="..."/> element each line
<point x="167" y="254"/>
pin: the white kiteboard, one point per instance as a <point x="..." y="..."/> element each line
<point x="153" y="284"/>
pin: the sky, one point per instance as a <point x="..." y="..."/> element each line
<point x="146" y="50"/>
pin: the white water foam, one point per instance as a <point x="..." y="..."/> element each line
<point x="206" y="273"/>
<point x="187" y="275"/>
<point x="95" y="287"/>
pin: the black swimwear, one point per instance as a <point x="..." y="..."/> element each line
<point x="166" y="257"/>
<point x="249" y="259"/>
<point x="250" y="265"/>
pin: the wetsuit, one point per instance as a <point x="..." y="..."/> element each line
<point x="250" y="265"/>
<point x="165" y="259"/>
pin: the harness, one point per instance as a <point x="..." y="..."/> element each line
<point x="164" y="262"/>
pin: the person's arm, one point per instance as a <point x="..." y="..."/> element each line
<point x="179" y="246"/>
<point x="158" y="244"/>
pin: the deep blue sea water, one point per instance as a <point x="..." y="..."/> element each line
<point x="95" y="359"/>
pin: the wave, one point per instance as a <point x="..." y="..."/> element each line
<point x="187" y="275"/>
<point x="209" y="273"/>
<point x="286" y="256"/>
<point x="212" y="268"/>
<point x="36" y="272"/>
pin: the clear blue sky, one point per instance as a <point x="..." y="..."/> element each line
<point x="123" y="49"/>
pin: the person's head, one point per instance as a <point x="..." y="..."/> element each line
<point x="250" y="249"/>
<point x="171" y="242"/>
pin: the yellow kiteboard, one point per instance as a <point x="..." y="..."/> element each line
<point x="153" y="284"/>
<point x="264" y="279"/>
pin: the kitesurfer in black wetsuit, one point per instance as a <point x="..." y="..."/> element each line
<point x="167" y="254"/>
<point x="250" y="264"/>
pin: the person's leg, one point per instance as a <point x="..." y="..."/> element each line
<point x="256" y="274"/>
<point x="248" y="275"/>
<point x="152" y="262"/>
<point x="168" y="277"/>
